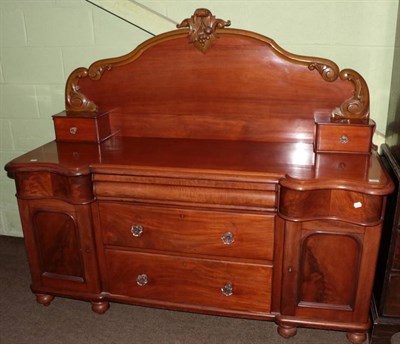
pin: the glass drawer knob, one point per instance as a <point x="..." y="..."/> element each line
<point x="142" y="280"/>
<point x="73" y="130"/>
<point x="228" y="238"/>
<point x="137" y="231"/>
<point x="227" y="289"/>
<point x="344" y="139"/>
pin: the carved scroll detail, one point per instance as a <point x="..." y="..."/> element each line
<point x="202" y="28"/>
<point x="77" y="101"/>
<point x="74" y="99"/>
<point x="329" y="70"/>
<point x="356" y="107"/>
<point x="97" y="69"/>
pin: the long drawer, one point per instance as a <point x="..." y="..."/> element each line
<point x="188" y="231"/>
<point x="205" y="193"/>
<point x="189" y="281"/>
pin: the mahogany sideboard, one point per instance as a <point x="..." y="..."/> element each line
<point x="210" y="170"/>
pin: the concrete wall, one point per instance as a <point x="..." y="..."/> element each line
<point x="42" y="41"/>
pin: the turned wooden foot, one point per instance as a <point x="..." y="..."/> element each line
<point x="44" y="299"/>
<point x="287" y="331"/>
<point x="100" y="307"/>
<point x="356" y="337"/>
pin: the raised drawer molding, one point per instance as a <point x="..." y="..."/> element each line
<point x="209" y="170"/>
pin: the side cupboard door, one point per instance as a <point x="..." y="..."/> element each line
<point x="328" y="270"/>
<point x="60" y="246"/>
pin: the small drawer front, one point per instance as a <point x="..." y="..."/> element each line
<point x="188" y="231"/>
<point x="82" y="129"/>
<point x="343" y="205"/>
<point x="344" y="138"/>
<point x="186" y="281"/>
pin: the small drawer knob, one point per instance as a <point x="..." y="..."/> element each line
<point x="227" y="289"/>
<point x="73" y="130"/>
<point x="344" y="139"/>
<point x="142" y="280"/>
<point x="137" y="231"/>
<point x="228" y="238"/>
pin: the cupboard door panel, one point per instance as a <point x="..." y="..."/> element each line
<point x="57" y="236"/>
<point x="329" y="265"/>
<point x="328" y="270"/>
<point x="60" y="246"/>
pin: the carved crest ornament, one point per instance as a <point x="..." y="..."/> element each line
<point x="203" y="27"/>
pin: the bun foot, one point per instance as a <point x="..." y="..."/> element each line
<point x="356" y="337"/>
<point x="287" y="331"/>
<point x="100" y="307"/>
<point x="44" y="299"/>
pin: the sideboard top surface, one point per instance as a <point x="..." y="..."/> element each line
<point x="237" y="159"/>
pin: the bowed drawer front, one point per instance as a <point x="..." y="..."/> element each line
<point x="344" y="205"/>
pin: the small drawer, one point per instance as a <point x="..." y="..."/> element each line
<point x="354" y="207"/>
<point x="89" y="127"/>
<point x="188" y="231"/>
<point x="186" y="281"/>
<point x="344" y="137"/>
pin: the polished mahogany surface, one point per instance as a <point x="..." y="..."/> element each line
<point x="189" y="154"/>
<point x="234" y="91"/>
<point x="270" y="161"/>
<point x="210" y="170"/>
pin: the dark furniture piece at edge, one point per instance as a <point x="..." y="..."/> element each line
<point x="385" y="306"/>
